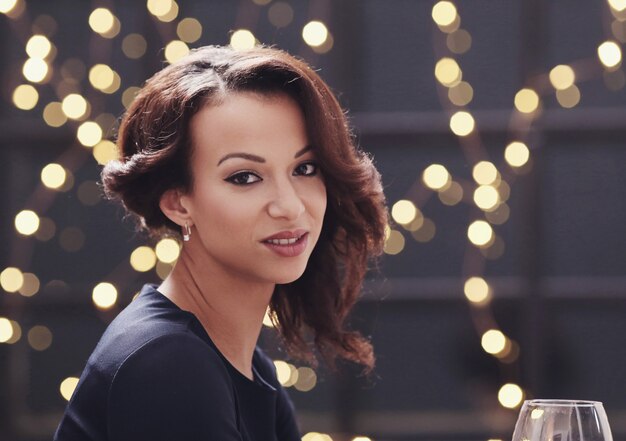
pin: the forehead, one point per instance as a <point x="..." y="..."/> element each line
<point x="249" y="122"/>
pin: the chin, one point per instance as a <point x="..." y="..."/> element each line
<point x="288" y="276"/>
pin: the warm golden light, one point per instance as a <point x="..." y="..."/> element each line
<point x="104" y="295"/>
<point x="485" y="173"/>
<point x="326" y="46"/>
<point x="510" y="395"/>
<point x="526" y="101"/>
<point x="101" y="76"/>
<point x="167" y="250"/>
<point x="461" y="94"/>
<point x="306" y="379"/>
<point x="26" y="222"/>
<point x="101" y="20"/>
<point x="569" y="97"/>
<point x="74" y="106"/>
<point x="394" y="243"/>
<point x="448" y="72"/>
<point x="436" y="177"/>
<point x="452" y="194"/>
<point x="6" y="6"/>
<point x="610" y="54"/>
<point x="477" y="290"/>
<point x="175" y="50"/>
<point x="267" y="318"/>
<point x="493" y="341"/>
<point x="171" y="14"/>
<point x="31" y="285"/>
<point x="486" y="197"/>
<point x="361" y="438"/>
<point x="459" y="41"/>
<point x="500" y="215"/>
<point x="516" y="154"/>
<point x="480" y="233"/>
<point x="38" y="46"/>
<point x="444" y="13"/>
<point x="105" y="151"/>
<point x="6" y="330"/>
<point x="129" y="95"/>
<point x="280" y="14"/>
<point x="189" y="30"/>
<point x="315" y="33"/>
<point x="283" y="372"/>
<point x="53" y="114"/>
<point x="462" y="123"/>
<point x="67" y="387"/>
<point x="53" y="175"/>
<point x="403" y="212"/>
<point x="134" y="46"/>
<point x="89" y="133"/>
<point x="617" y="5"/>
<point x="242" y="39"/>
<point x="425" y="232"/>
<point x="562" y="77"/>
<point x="39" y="338"/>
<point x="143" y="259"/>
<point x="536" y="414"/>
<point x="25" y="97"/>
<point x="11" y="279"/>
<point x="35" y="70"/>
<point x="159" y="8"/>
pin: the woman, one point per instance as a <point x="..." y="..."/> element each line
<point x="249" y="156"/>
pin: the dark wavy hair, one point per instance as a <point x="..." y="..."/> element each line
<point x="155" y="150"/>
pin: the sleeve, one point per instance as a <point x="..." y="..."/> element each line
<point x="172" y="388"/>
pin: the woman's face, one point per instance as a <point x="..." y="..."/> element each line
<point x="258" y="197"/>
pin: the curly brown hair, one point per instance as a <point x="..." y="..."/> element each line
<point x="155" y="147"/>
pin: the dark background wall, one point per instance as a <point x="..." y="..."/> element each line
<point x="558" y="279"/>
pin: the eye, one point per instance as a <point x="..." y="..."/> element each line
<point x="243" y="178"/>
<point x="306" y="169"/>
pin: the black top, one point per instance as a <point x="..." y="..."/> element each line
<point x="156" y="375"/>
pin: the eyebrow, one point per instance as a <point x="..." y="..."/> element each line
<point x="255" y="158"/>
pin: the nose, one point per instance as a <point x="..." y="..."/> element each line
<point x="285" y="203"/>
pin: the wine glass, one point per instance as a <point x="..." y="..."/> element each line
<point x="562" y="420"/>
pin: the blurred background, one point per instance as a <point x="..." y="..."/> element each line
<point x="499" y="128"/>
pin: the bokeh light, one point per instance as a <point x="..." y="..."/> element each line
<point x="485" y="173"/>
<point x="53" y="114"/>
<point x="280" y="14"/>
<point x="510" y="395"/>
<point x="448" y="72"/>
<point x="461" y="94"/>
<point x="26" y="222"/>
<point x="189" y="30"/>
<point x="7" y="6"/>
<point x="53" y="175"/>
<point x="104" y="295"/>
<point x="526" y="101"/>
<point x="426" y="231"/>
<point x="452" y="194"/>
<point x="105" y="151"/>
<point x="403" y="211"/>
<point x="477" y="290"/>
<point x="25" y="97"/>
<point x="480" y="233"/>
<point x="89" y="133"/>
<point x="38" y="46"/>
<point x="436" y="177"/>
<point x="459" y="41"/>
<point x="516" y="154"/>
<point x="315" y="33"/>
<point x="101" y="20"/>
<point x="562" y="76"/>
<point x="306" y="379"/>
<point x="486" y="197"/>
<point x="462" y="123"/>
<point x="569" y="97"/>
<point x="39" y="338"/>
<point x="6" y="330"/>
<point x="610" y="54"/>
<point x="175" y="50"/>
<point x="11" y="279"/>
<point x="143" y="259"/>
<point x="618" y="5"/>
<point x="74" y="106"/>
<point x="35" y="70"/>
<point x="67" y="387"/>
<point x="167" y="250"/>
<point x="444" y="13"/>
<point x="242" y="39"/>
<point x="394" y="243"/>
<point x="493" y="341"/>
<point x="31" y="285"/>
<point x="134" y="46"/>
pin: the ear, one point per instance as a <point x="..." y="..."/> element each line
<point x="172" y="204"/>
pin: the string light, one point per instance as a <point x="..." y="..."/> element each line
<point x="134" y="45"/>
<point x="53" y="175"/>
<point x="306" y="379"/>
<point x="31" y="285"/>
<point x="461" y="94"/>
<point x="53" y="114"/>
<point x="493" y="341"/>
<point x="485" y="173"/>
<point x="6" y="330"/>
<point x="101" y="20"/>
<point x="26" y="222"/>
<point x="459" y="41"/>
<point x="280" y="14"/>
<point x="38" y="46"/>
<point x="477" y="290"/>
<point x="394" y="243"/>
<point x="436" y="177"/>
<point x="486" y="197"/>
<point x="480" y="233"/>
<point x="74" y="106"/>
<point x="448" y="72"/>
<point x="452" y="194"/>
<point x="167" y="250"/>
<point x="242" y="39"/>
<point x="6" y="6"/>
<point x="11" y="279"/>
<point x="617" y="5"/>
<point x="403" y="211"/>
<point x="89" y="133"/>
<point x="143" y="259"/>
<point x="569" y="97"/>
<point x="189" y="30"/>
<point x="35" y="70"/>
<point x="562" y="77"/>
<point x="444" y="13"/>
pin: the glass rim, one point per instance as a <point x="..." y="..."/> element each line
<point x="561" y="402"/>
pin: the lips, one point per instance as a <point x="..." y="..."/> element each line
<point x="287" y="243"/>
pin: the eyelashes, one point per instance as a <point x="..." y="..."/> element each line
<point x="248" y="177"/>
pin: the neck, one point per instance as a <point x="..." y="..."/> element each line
<point x="229" y="308"/>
